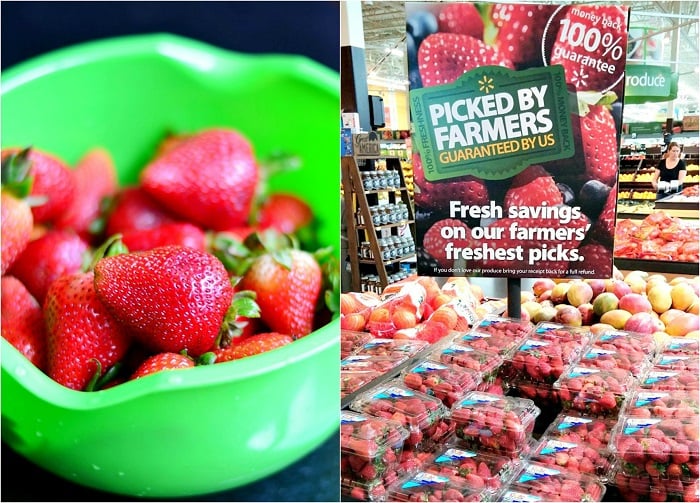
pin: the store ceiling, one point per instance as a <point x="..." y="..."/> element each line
<point x="385" y="28"/>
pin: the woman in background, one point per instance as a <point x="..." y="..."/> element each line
<point x="671" y="167"/>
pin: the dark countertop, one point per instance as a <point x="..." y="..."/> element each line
<point x="313" y="478"/>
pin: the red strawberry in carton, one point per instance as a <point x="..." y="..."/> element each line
<point x="680" y="346"/>
<point x="658" y="447"/>
<point x="426" y="486"/>
<point x="594" y="391"/>
<point x="541" y="359"/>
<point x="423" y="415"/>
<point x="673" y="403"/>
<point x="627" y="341"/>
<point x="687" y="362"/>
<point x="645" y="488"/>
<point x="661" y="379"/>
<point x="497" y="334"/>
<point x="370" y="447"/>
<point x="447" y="382"/>
<point x="481" y="470"/>
<point x="467" y="357"/>
<point x="499" y="424"/>
<point x="574" y="456"/>
<point x="603" y="358"/>
<point x="540" y="482"/>
<point x="353" y="380"/>
<point x="381" y="364"/>
<point x="351" y="340"/>
<point x="571" y="426"/>
<point x="392" y="347"/>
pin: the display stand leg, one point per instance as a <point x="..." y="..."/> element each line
<point x="514" y="298"/>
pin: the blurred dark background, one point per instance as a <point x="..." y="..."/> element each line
<point x="310" y="28"/>
<point x="307" y="28"/>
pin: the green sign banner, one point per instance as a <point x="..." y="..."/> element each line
<point x="492" y="122"/>
<point x="650" y="83"/>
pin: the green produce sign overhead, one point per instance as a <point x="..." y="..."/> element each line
<point x="650" y="83"/>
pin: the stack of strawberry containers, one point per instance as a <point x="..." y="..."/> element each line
<point x="542" y="358"/>
<point x="370" y="358"/>
<point x="656" y="438"/>
<point x="425" y="418"/>
<point x="370" y="454"/>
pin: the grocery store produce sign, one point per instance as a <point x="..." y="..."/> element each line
<point x="516" y="116"/>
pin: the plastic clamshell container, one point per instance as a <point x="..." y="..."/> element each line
<point x="143" y="438"/>
<point x="478" y="468"/>
<point x="543" y="394"/>
<point x="637" y="363"/>
<point x="381" y="364"/>
<point x="392" y="347"/>
<point x="426" y="486"/>
<point x="351" y="340"/>
<point x="657" y="447"/>
<point x="445" y="381"/>
<point x="364" y="491"/>
<point x="539" y="482"/>
<point x="684" y="362"/>
<point x="571" y="426"/>
<point x="416" y="411"/>
<point x="551" y="330"/>
<point x="499" y="424"/>
<point x="484" y="362"/>
<point x="645" y="488"/>
<point x="680" y="345"/>
<point x="496" y="334"/>
<point x="662" y="379"/>
<point x="594" y="391"/>
<point x="353" y="380"/>
<point x="370" y="447"/>
<point x="623" y="339"/>
<point x="576" y="456"/>
<point x="541" y="359"/>
<point x="672" y="403"/>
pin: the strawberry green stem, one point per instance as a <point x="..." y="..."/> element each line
<point x="112" y="246"/>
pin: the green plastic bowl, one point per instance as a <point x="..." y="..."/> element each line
<point x="212" y="428"/>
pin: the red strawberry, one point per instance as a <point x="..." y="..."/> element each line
<point x="214" y="171"/>
<point x="435" y="244"/>
<point x="17" y="220"/>
<point x="23" y="321"/>
<point x="520" y="30"/>
<point x="172" y="298"/>
<point x="597" y="131"/>
<point x="603" y="229"/>
<point x="444" y="57"/>
<point x="53" y="180"/>
<point x="595" y="256"/>
<point x="133" y="209"/>
<point x="461" y="18"/>
<point x="17" y="223"/>
<point x="175" y="233"/>
<point x="437" y="195"/>
<point x="287" y="284"/>
<point x="162" y="361"/>
<point x="253" y="345"/>
<point x="575" y="57"/>
<point x="533" y="186"/>
<point x="48" y="257"/>
<point x="83" y="339"/>
<point x="286" y="213"/>
<point x="95" y="179"/>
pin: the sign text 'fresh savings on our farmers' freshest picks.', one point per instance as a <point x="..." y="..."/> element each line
<point x="516" y="114"/>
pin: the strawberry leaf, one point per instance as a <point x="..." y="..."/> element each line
<point x="14" y="174"/>
<point x="243" y="306"/>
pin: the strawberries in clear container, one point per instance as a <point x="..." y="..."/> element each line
<point x="539" y="482"/>
<point x="445" y="381"/>
<point x="392" y="347"/>
<point x="661" y="379"/>
<point x="571" y="426"/>
<point x="426" y="486"/>
<point x="351" y="341"/>
<point x="594" y="391"/>
<point x="422" y="415"/>
<point x="481" y="470"/>
<point x="574" y="456"/>
<point x="498" y="424"/>
<point x="484" y="362"/>
<point x="657" y="447"/>
<point x="497" y="334"/>
<point x="370" y="449"/>
<point x="671" y="403"/>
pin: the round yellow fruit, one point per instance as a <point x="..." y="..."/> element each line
<point x="683" y="295"/>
